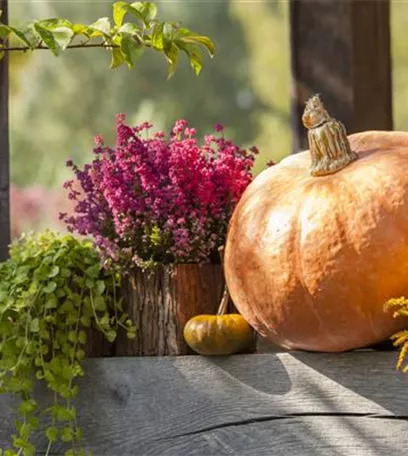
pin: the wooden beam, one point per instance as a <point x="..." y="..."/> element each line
<point x="255" y="405"/>
<point x="4" y="149"/>
<point x="341" y="49"/>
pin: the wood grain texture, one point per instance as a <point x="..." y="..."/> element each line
<point x="341" y="50"/>
<point x="161" y="302"/>
<point x="256" y="405"/>
<point x="96" y="344"/>
<point x="4" y="150"/>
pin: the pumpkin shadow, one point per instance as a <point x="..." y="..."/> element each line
<point x="368" y="373"/>
<point x="266" y="374"/>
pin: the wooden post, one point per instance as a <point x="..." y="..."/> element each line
<point x="341" y="49"/>
<point x="4" y="150"/>
<point x="161" y="302"/>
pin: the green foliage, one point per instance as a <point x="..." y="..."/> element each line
<point x="269" y="74"/>
<point x="53" y="290"/>
<point x="400" y="339"/>
<point x="124" y="40"/>
<point x="143" y="94"/>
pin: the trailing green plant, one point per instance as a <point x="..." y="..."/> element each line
<point x="125" y="41"/>
<point x="400" y="339"/>
<point x="53" y="290"/>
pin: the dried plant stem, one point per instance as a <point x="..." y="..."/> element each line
<point x="225" y="296"/>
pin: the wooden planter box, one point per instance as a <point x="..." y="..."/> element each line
<point x="160" y="302"/>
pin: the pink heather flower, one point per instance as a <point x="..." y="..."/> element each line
<point x="208" y="139"/>
<point x="190" y="132"/>
<point x="163" y="199"/>
<point x="120" y="118"/>
<point x="219" y="128"/>
<point x="98" y="140"/>
<point x="146" y="126"/>
<point x="179" y="127"/>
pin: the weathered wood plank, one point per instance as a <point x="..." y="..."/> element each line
<point x="341" y="50"/>
<point x="288" y="403"/>
<point x="4" y="150"/>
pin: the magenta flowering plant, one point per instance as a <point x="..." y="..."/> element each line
<point x="153" y="199"/>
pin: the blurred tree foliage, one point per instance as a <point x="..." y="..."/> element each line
<point x="265" y="26"/>
<point x="399" y="25"/>
<point x="59" y="104"/>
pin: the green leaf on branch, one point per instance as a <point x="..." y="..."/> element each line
<point x="4" y="31"/>
<point x="119" y="11"/>
<point x="167" y="37"/>
<point x="48" y="38"/>
<point x="62" y="36"/>
<point x="117" y="58"/>
<point x="203" y="40"/>
<point x="125" y="41"/>
<point x="102" y="27"/>
<point x="158" y="36"/>
<point x="131" y="49"/>
<point x="55" y="22"/>
<point x="133" y="29"/>
<point x="136" y="14"/>
<point x="21" y="36"/>
<point x="81" y="29"/>
<point x="147" y="10"/>
<point x="194" y="55"/>
<point x="172" y="56"/>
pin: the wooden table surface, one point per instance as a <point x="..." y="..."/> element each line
<point x="253" y="405"/>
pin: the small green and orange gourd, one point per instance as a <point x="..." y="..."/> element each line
<point x="221" y="334"/>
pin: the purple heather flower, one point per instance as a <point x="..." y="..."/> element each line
<point x="164" y="199"/>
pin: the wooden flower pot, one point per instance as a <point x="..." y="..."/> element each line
<point x="160" y="302"/>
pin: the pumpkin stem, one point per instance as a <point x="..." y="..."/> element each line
<point x="224" y="302"/>
<point x="225" y="296"/>
<point x="329" y="147"/>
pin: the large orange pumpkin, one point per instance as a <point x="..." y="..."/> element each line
<point x="319" y="242"/>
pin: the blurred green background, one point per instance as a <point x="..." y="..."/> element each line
<point x="59" y="104"/>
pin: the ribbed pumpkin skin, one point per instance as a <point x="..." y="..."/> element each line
<point x="218" y="334"/>
<point x="310" y="261"/>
